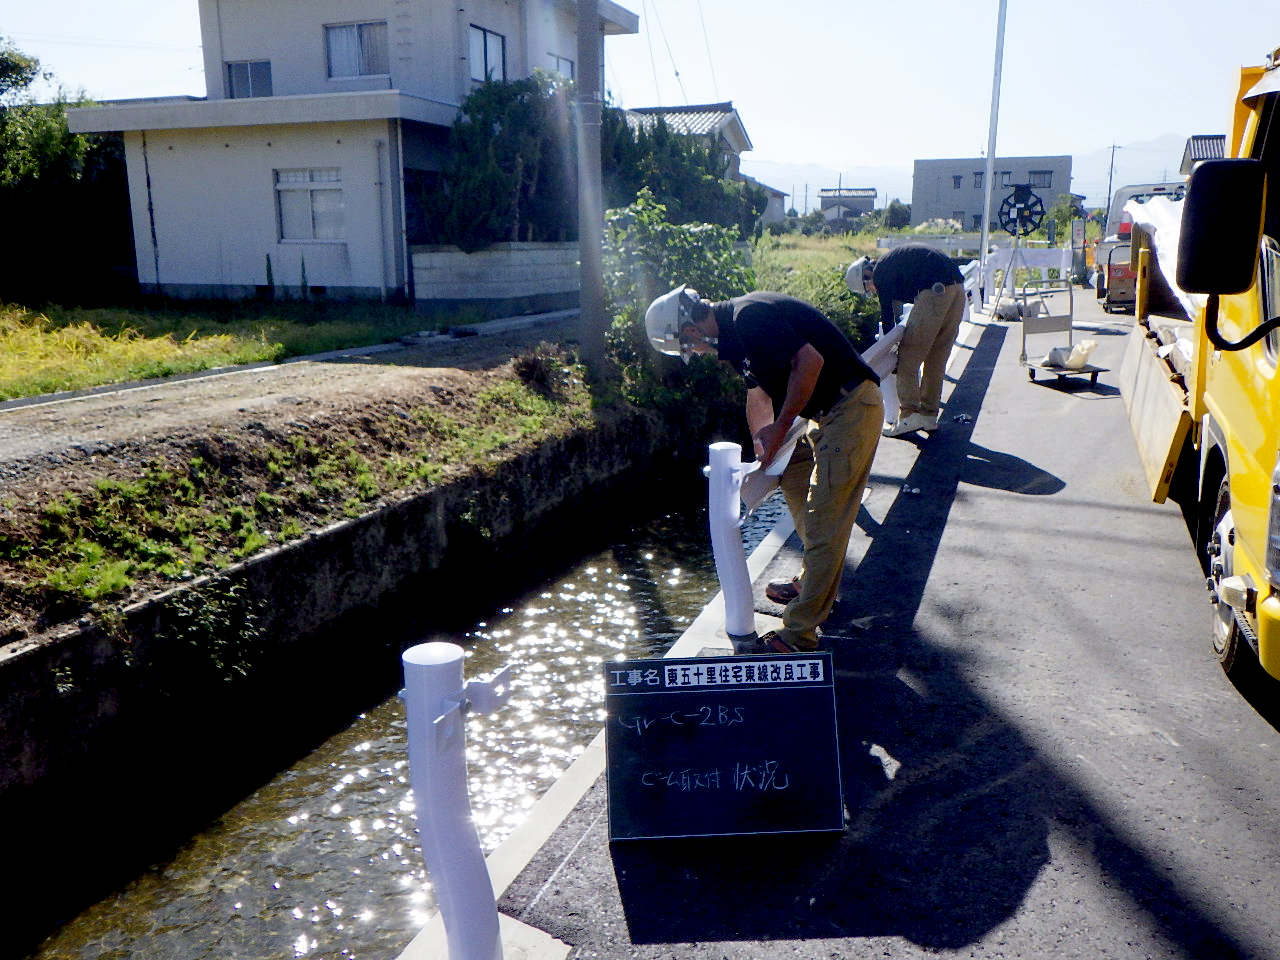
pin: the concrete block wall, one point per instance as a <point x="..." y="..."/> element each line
<point x="505" y="271"/>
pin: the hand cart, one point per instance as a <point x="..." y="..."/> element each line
<point x="1048" y="306"/>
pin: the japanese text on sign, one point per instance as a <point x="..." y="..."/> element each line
<point x="720" y="674"/>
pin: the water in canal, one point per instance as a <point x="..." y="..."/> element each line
<point x="323" y="861"/>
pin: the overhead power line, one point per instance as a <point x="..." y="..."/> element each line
<point x="653" y="62"/>
<point x="670" y="55"/>
<point x="100" y="42"/>
<point x="707" y="40"/>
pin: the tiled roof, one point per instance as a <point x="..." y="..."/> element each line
<point x="848" y="193"/>
<point x="699" y="120"/>
<point x="1205" y="146"/>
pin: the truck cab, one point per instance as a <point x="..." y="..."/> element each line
<point x="1228" y="262"/>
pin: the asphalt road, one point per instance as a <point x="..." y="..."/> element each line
<point x="1041" y="756"/>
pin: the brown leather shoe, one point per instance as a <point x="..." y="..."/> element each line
<point x="783" y="591"/>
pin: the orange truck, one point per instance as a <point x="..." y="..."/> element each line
<point x="1202" y="391"/>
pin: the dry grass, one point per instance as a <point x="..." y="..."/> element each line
<point x="74" y="348"/>
<point x="39" y="356"/>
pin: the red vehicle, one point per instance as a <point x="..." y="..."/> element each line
<point x="1120" y="291"/>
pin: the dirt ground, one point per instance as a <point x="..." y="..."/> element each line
<point x="52" y="446"/>
<point x="107" y="430"/>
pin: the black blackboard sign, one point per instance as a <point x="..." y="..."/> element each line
<point x="712" y="746"/>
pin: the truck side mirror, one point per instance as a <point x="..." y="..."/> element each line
<point x="1221" y="227"/>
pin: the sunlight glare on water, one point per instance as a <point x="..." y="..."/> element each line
<point x="324" y="860"/>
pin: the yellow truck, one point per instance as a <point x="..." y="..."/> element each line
<point x="1203" y="395"/>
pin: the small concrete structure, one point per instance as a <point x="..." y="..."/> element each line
<point x="505" y="279"/>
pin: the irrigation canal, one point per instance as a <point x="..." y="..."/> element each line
<point x="323" y="860"/>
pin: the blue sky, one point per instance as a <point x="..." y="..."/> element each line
<point x="830" y="91"/>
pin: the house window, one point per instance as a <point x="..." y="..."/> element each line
<point x="248" y="78"/>
<point x="977" y="221"/>
<point x="488" y="54"/>
<point x="958" y="217"/>
<point x="1006" y="177"/>
<point x="955" y="181"/>
<point x="977" y="180"/>
<point x="357" y="49"/>
<point x="562" y="66"/>
<point x="309" y="203"/>
<point x="1041" y="178"/>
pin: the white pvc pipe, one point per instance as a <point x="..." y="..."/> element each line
<point x="724" y="473"/>
<point x="882" y="356"/>
<point x="433" y="692"/>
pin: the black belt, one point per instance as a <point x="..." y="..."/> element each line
<point x="845" y="390"/>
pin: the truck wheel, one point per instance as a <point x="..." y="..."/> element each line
<point x="1220" y="548"/>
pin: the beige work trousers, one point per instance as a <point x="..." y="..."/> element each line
<point x="926" y="342"/>
<point x="823" y="487"/>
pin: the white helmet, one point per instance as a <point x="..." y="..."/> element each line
<point x="856" y="276"/>
<point x="665" y="318"/>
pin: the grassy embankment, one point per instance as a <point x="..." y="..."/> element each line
<point x="99" y="540"/>
<point x="182" y="518"/>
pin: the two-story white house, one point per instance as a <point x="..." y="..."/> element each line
<point x="323" y="123"/>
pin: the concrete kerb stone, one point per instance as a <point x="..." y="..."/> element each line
<point x="521" y="941"/>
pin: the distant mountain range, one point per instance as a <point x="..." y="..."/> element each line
<point x="1146" y="161"/>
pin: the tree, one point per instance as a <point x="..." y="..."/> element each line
<point x="511" y="172"/>
<point x="17" y="71"/>
<point x="897" y="215"/>
<point x="646" y="254"/>
<point x="683" y="173"/>
<point x="64" y="195"/>
<point x="506" y="177"/>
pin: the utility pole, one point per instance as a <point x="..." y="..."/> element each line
<point x="1106" y="219"/>
<point x="990" y="167"/>
<point x="590" y="202"/>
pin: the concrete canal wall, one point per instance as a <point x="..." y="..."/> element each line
<point x="135" y="731"/>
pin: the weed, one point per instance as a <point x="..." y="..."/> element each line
<point x="218" y="623"/>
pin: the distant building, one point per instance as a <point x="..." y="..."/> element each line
<point x="954" y="189"/>
<point x="1206" y="146"/>
<point x="776" y="209"/>
<point x="846" y="203"/>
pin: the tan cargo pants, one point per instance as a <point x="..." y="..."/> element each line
<point x="931" y="331"/>
<point x="823" y="487"/>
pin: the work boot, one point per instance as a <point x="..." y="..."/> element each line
<point x="783" y="591"/>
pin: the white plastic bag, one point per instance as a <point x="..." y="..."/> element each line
<point x="1079" y="357"/>
<point x="1070" y="358"/>
<point x="1057" y="357"/>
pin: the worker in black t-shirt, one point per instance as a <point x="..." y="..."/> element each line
<point x="929" y="280"/>
<point x="796" y="363"/>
